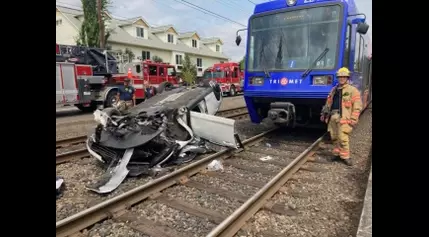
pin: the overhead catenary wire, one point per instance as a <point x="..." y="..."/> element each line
<point x="183" y="2"/>
<point x="208" y="11"/>
<point x="186" y="3"/>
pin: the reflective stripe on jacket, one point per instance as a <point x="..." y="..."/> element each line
<point x="351" y="103"/>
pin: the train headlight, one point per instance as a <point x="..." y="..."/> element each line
<point x="290" y="2"/>
<point x="256" y="81"/>
<point x="322" y="80"/>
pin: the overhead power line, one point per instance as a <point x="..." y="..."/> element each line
<point x="208" y="11"/>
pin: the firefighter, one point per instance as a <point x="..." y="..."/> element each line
<point x="149" y="90"/>
<point x="341" y="112"/>
<point x="127" y="94"/>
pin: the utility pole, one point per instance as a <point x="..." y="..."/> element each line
<point x="100" y="24"/>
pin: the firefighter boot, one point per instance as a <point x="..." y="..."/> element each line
<point x="335" y="158"/>
<point x="348" y="162"/>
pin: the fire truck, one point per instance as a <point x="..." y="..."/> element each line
<point x="228" y="75"/>
<point x="156" y="75"/>
<point x="76" y="84"/>
<point x="101" y="79"/>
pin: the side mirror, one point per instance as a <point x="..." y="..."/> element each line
<point x="238" y="40"/>
<point x="362" y="28"/>
<point x="173" y="74"/>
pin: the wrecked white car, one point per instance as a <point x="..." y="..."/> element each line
<point x="167" y="129"/>
<point x="60" y="186"/>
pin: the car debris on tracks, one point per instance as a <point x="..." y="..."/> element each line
<point x="170" y="128"/>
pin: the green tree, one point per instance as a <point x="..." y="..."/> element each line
<point x="157" y="59"/>
<point x="129" y="54"/>
<point x="189" y="70"/>
<point x="89" y="31"/>
<point x="242" y="63"/>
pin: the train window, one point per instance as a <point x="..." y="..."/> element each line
<point x="346" y="56"/>
<point x="152" y="71"/>
<point x="358" y="53"/>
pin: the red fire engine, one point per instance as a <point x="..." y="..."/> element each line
<point x="101" y="81"/>
<point x="154" y="74"/>
<point x="75" y="84"/>
<point x="228" y="75"/>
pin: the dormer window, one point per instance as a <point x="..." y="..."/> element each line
<point x="140" y="32"/>
<point x="194" y="43"/>
<point x="217" y="48"/>
<point x="170" y="38"/>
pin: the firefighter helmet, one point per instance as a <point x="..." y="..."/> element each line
<point x="343" y="72"/>
<point x="127" y="79"/>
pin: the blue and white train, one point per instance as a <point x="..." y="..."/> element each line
<point x="294" y="48"/>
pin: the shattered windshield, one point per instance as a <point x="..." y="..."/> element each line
<point x="293" y="40"/>
<point x="210" y="75"/>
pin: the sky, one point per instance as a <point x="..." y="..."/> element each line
<point x="185" y="18"/>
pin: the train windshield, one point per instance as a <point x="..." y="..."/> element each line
<point x="210" y="75"/>
<point x="292" y="40"/>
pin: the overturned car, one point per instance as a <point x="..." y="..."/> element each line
<point x="169" y="128"/>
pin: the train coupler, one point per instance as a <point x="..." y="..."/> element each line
<point x="282" y="113"/>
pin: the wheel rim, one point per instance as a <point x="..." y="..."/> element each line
<point x="113" y="100"/>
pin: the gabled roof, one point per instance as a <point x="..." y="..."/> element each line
<point x="188" y="35"/>
<point x="135" y="20"/>
<point x="212" y="40"/>
<point x="163" y="29"/>
<point x="119" y="35"/>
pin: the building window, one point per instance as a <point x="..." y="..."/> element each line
<point x="59" y="22"/>
<point x="145" y="55"/>
<point x="194" y="43"/>
<point x="140" y="32"/>
<point x="199" y="62"/>
<point x="178" y="59"/>
<point x="217" y="48"/>
<point x="170" y="38"/>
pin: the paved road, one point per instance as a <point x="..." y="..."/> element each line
<point x="69" y="114"/>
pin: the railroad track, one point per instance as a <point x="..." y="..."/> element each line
<point x="236" y="113"/>
<point x="280" y="162"/>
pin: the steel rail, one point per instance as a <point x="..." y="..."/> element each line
<point x="237" y="115"/>
<point x="71" y="155"/>
<point x="231" y="110"/>
<point x="233" y="223"/>
<point x="72" y="140"/>
<point x="109" y="208"/>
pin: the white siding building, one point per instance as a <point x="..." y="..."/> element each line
<point x="145" y="41"/>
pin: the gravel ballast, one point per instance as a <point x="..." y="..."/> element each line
<point x="63" y="132"/>
<point x="110" y="228"/>
<point x="330" y="202"/>
<point x="182" y="222"/>
<point x="77" y="175"/>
